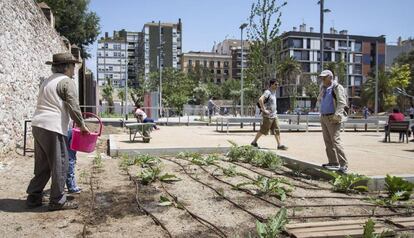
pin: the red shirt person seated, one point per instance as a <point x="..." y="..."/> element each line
<point x="396" y="115"/>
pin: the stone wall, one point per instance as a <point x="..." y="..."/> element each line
<point x="27" y="41"/>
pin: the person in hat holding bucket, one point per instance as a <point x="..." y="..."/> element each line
<point x="333" y="102"/>
<point x="57" y="102"/>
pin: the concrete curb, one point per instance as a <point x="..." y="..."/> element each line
<point x="112" y="148"/>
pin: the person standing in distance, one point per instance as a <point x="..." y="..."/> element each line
<point x="270" y="122"/>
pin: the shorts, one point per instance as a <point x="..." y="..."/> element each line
<point x="271" y="124"/>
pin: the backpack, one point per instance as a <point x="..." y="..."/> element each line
<point x="346" y="108"/>
<point x="258" y="104"/>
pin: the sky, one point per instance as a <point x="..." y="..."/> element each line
<point x="208" y="21"/>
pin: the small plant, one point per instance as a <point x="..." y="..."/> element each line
<point x="274" y="226"/>
<point x="347" y="183"/>
<point x="126" y="161"/>
<point x="230" y="171"/>
<point x="97" y="161"/>
<point x="273" y="186"/>
<point x="83" y="176"/>
<point x="243" y="153"/>
<point x="369" y="230"/>
<point x="266" y="159"/>
<point x="165" y="202"/>
<point x="209" y="160"/>
<point x="152" y="174"/>
<point x="146" y="160"/>
<point x="398" y="188"/>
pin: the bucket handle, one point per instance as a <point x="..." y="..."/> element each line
<point x="93" y="115"/>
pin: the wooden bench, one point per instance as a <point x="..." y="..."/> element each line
<point x="331" y="229"/>
<point x="401" y="127"/>
<point x="143" y="129"/>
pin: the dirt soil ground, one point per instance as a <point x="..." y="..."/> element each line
<point x="113" y="203"/>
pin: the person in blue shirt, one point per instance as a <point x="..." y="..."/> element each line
<point x="333" y="101"/>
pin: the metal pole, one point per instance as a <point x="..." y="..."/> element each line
<point x="321" y="30"/>
<point x="126" y="78"/>
<point x="376" y="78"/>
<point x="242" y="82"/>
<point x="160" y="65"/>
<point x="347" y="61"/>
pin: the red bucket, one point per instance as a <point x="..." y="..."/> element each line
<point x="85" y="142"/>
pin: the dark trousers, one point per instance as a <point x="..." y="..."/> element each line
<point x="150" y="120"/>
<point x="70" y="179"/>
<point x="51" y="161"/>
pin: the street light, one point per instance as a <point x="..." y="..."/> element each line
<point x="244" y="25"/>
<point x="322" y="12"/>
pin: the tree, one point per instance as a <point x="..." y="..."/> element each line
<point x="263" y="30"/>
<point x="108" y="95"/>
<point x="338" y="69"/>
<point x="385" y="97"/>
<point x="400" y="77"/>
<point x="408" y="58"/>
<point x="75" y="22"/>
<point x="121" y="96"/>
<point x="215" y="90"/>
<point x="201" y="95"/>
<point x="176" y="88"/>
<point x="289" y="69"/>
<point x="312" y="90"/>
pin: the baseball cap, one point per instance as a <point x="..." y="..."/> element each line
<point x="326" y="73"/>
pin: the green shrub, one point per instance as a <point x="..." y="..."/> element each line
<point x="347" y="183"/>
<point x="398" y="188"/>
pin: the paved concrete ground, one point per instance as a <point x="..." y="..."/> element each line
<point x="366" y="152"/>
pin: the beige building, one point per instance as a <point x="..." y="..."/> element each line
<point x="213" y="67"/>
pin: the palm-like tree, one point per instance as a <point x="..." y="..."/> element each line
<point x="289" y="69"/>
<point x="368" y="90"/>
<point x="108" y="95"/>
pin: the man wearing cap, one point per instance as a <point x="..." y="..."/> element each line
<point x="332" y="99"/>
<point x="57" y="102"/>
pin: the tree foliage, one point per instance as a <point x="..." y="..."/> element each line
<point x="263" y="30"/>
<point x="75" y="22"/>
<point x="108" y="91"/>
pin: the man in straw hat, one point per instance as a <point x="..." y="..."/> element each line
<point x="57" y="101"/>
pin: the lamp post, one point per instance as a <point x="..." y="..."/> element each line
<point x="376" y="78"/>
<point x="322" y="12"/>
<point x="244" y="25"/>
<point x="126" y="79"/>
<point x="160" y="65"/>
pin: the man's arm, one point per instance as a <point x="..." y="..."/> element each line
<point x="66" y="90"/>
<point x="340" y="100"/>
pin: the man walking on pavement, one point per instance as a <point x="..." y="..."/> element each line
<point x="332" y="98"/>
<point x="267" y="103"/>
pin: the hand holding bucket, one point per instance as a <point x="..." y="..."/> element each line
<point x="85" y="142"/>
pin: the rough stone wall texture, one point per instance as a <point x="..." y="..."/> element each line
<point x="27" y="41"/>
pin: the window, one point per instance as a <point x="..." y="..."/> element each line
<point x="197" y="62"/>
<point x="190" y="63"/>
<point x="338" y="56"/>
<point x="358" y="59"/>
<point x="358" y="69"/>
<point x="305" y="67"/>
<point x="218" y="81"/>
<point x="342" y="43"/>
<point x="296" y="43"/>
<point x="205" y="63"/>
<point x="297" y="54"/>
<point x="211" y="64"/>
<point x="358" y="47"/>
<point x="308" y="43"/>
<point x="327" y="56"/>
<point x="218" y="64"/>
<point x="106" y="45"/>
<point x="226" y="72"/>
<point x="218" y="71"/>
<point x="110" y="68"/>
<point x="329" y="44"/>
<point x="226" y="64"/>
<point x="358" y="80"/>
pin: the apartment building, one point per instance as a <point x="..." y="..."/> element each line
<point x="214" y="67"/>
<point x="304" y="46"/>
<point x="160" y="45"/>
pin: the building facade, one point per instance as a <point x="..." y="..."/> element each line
<point x="232" y="47"/>
<point x="212" y="67"/>
<point x="160" y="45"/>
<point x="393" y="51"/>
<point x="112" y="61"/>
<point x="304" y="46"/>
<point x="132" y="41"/>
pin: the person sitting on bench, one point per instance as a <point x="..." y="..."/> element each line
<point x="396" y="115"/>
<point x="142" y="116"/>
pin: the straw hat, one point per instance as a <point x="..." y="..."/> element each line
<point x="63" y="58"/>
